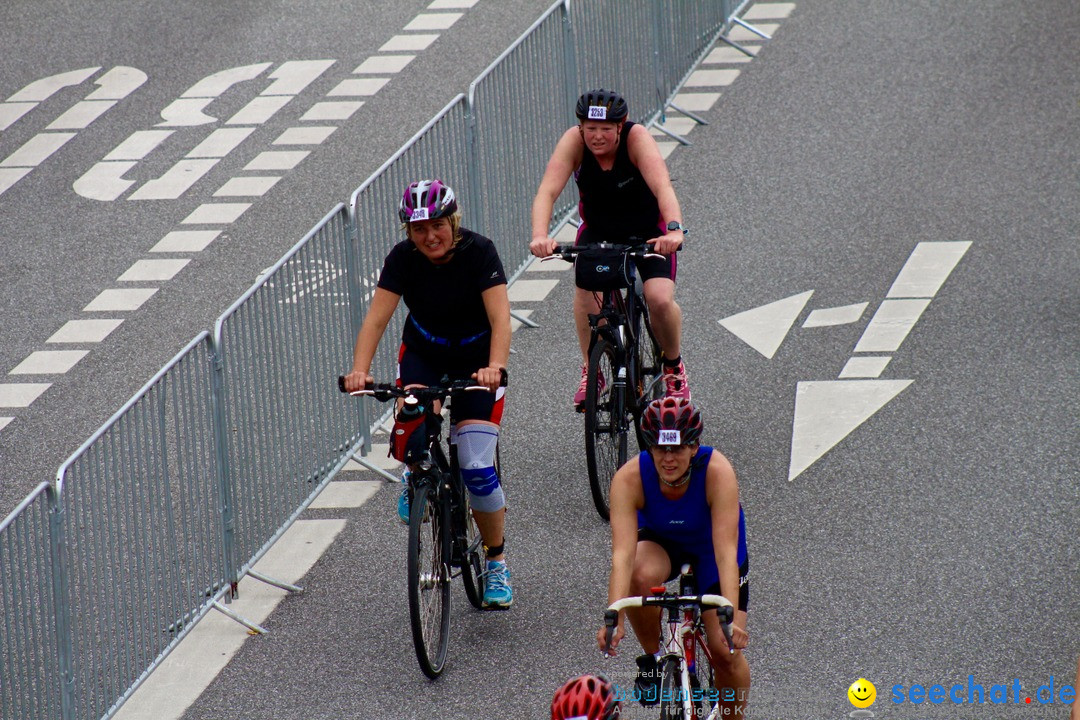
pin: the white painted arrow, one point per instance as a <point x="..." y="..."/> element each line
<point x="764" y="328"/>
<point x="827" y="411"/>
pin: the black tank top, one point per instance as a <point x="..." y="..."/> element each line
<point x="617" y="203"/>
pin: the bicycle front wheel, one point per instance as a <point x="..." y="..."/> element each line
<point x="606" y="425"/>
<point x="702" y="680"/>
<point x="671" y="694"/>
<point x="429" y="579"/>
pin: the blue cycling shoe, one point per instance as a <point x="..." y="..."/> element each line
<point x="498" y="594"/>
<point x="403" y="499"/>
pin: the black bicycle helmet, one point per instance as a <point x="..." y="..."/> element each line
<point x="671" y="421"/>
<point x="586" y="697"/>
<point x="601" y="105"/>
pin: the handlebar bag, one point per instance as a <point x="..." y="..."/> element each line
<point x="600" y="269"/>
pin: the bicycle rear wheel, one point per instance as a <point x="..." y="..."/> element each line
<point x="605" y="424"/>
<point x="472" y="561"/>
<point x="429" y="579"/>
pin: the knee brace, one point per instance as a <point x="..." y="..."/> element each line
<point x="476" y="457"/>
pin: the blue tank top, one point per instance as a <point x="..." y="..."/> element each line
<point x="686" y="522"/>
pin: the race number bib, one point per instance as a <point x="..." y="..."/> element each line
<point x="598" y="112"/>
<point x="420" y="213"/>
<point x="670" y="437"/>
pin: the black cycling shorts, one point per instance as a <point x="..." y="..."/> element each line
<point x="677" y="556"/>
<point x="415" y="368"/>
<point x="648" y="268"/>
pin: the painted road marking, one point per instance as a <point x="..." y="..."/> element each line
<point x="530" y="290"/>
<point x="695" y="101"/>
<point x="304" y="135"/>
<point x="294" y="76"/>
<point x="215" y="213"/>
<point x="176" y="181"/>
<point x="26" y="99"/>
<point x="926" y="270"/>
<point x="211" y="644"/>
<point x="408" y="42"/>
<point x="220" y="143"/>
<point x="277" y="160"/>
<point x="81" y="114"/>
<point x="120" y="300"/>
<point x="891" y="324"/>
<point x="849" y="404"/>
<point x="138" y="145"/>
<point x="354" y="87"/>
<point x="865" y="366"/>
<point x="4" y="422"/>
<point x="259" y="110"/>
<point x="186" y="241"/>
<point x="9" y="177"/>
<point x="768" y="11"/>
<point x="451" y="4"/>
<point x="826" y="317"/>
<point x="16" y="395"/>
<point x="35" y="150"/>
<point x="741" y="34"/>
<point x="433" y="21"/>
<point x="152" y="270"/>
<point x="711" y="78"/>
<point x="380" y="64"/>
<point x="346" y="494"/>
<point x="49" y="362"/>
<point x="85" y="331"/>
<point x="764" y="328"/>
<point x="322" y="111"/>
<point x="255" y="186"/>
<point x="728" y="54"/>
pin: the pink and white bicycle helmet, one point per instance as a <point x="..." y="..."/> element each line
<point x="426" y="200"/>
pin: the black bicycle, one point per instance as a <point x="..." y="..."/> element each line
<point x="624" y="370"/>
<point x="444" y="541"/>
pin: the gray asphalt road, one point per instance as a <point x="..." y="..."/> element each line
<point x="59" y="249"/>
<point x="938" y="539"/>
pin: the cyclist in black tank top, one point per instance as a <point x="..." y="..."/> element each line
<point x="625" y="191"/>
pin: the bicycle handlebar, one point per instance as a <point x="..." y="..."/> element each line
<point x="637" y="249"/>
<point x="724" y="609"/>
<point x="386" y="391"/>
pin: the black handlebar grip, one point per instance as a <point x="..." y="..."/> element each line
<point x="611" y="618"/>
<point x="341" y="383"/>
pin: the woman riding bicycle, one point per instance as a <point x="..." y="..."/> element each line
<point x="458" y="325"/>
<point x="678" y="502"/>
<point x="625" y="192"/>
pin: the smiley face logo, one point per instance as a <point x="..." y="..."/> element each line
<point x="862" y="693"/>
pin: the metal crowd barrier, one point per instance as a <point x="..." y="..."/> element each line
<point x="154" y="520"/>
<point x="142" y="501"/>
<point x="287" y="430"/>
<point x="30" y="678"/>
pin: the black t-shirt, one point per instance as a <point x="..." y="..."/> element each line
<point x="616" y="204"/>
<point x="445" y="300"/>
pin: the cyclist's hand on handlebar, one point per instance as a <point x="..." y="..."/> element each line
<point x="491" y="377"/>
<point x="668" y="243"/>
<point x="601" y="639"/>
<point x="357" y="380"/>
<point x="542" y="246"/>
<point x="739" y="636"/>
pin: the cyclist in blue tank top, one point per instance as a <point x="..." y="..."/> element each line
<point x="678" y="502"/>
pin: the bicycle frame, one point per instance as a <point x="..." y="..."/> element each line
<point x="680" y="645"/>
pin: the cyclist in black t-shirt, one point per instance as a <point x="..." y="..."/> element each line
<point x="454" y="286"/>
<point x="625" y="192"/>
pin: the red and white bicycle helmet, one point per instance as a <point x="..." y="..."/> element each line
<point x="586" y="697"/>
<point x="671" y="421"/>
<point x="427" y="200"/>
